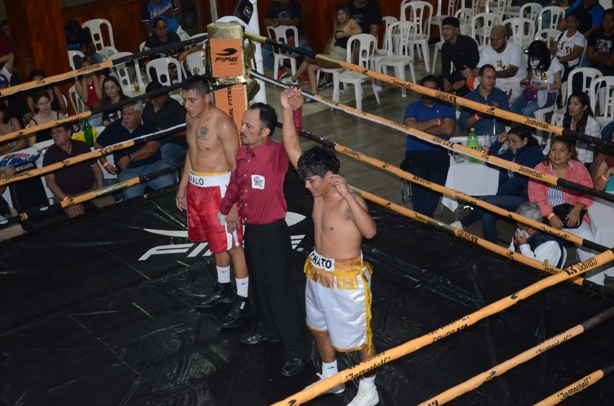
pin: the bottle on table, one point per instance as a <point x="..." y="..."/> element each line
<point x="473" y="143"/>
<point x="88" y="133"/>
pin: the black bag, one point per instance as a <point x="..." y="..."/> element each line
<point x="562" y="211"/>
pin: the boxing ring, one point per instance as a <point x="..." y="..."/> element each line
<point x="99" y="310"/>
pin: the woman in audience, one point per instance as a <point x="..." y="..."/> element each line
<point x="8" y="125"/>
<point x="55" y="95"/>
<point x="161" y="36"/>
<point x="112" y="93"/>
<point x="89" y="89"/>
<point x="603" y="167"/>
<point x="344" y="27"/>
<point x="569" y="45"/>
<point x="563" y="208"/>
<point x="579" y="117"/>
<point x="44" y="114"/>
<point x="542" y="83"/>
<point x="522" y="149"/>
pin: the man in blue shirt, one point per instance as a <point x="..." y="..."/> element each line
<point x="485" y="93"/>
<point x="426" y="160"/>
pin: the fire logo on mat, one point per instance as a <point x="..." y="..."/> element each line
<point x="201" y="249"/>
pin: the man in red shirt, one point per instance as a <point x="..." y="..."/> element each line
<point x="258" y="183"/>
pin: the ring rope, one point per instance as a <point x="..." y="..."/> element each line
<point x="91" y="155"/>
<point x="454" y="193"/>
<point x="492" y="159"/>
<point x="82" y="198"/>
<point x="84" y="115"/>
<point x="525" y="356"/>
<point x="447" y="97"/>
<point x="97" y="66"/>
<point x="578" y="386"/>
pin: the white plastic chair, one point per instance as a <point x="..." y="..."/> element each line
<point x="421" y="14"/>
<point x="498" y="7"/>
<point x="602" y="99"/>
<point x="95" y="28"/>
<point x="382" y="52"/>
<point x="401" y="57"/>
<point x="129" y="77"/>
<point x="588" y="77"/>
<point x="157" y="70"/>
<point x="366" y="44"/>
<point x="142" y="46"/>
<point x="280" y="34"/>
<point x="541" y="113"/>
<point x="71" y="58"/>
<point x="107" y="52"/>
<point x="522" y="29"/>
<point x="547" y="35"/>
<point x="76" y="102"/>
<point x="195" y="63"/>
<point x="556" y="15"/>
<point x="481" y="25"/>
<point x="464" y="16"/>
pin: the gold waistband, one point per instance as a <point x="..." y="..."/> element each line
<point x="344" y="276"/>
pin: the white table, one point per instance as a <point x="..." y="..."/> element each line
<point x="601" y="214"/>
<point x="474" y="179"/>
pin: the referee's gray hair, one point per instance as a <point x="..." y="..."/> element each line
<point x="530" y="210"/>
<point x="137" y="105"/>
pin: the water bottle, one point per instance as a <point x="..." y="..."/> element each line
<point x="88" y="133"/>
<point x="473" y="143"/>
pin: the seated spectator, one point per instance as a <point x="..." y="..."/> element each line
<point x="579" y="117"/>
<point x="563" y="208"/>
<point x="589" y="14"/>
<point x="536" y="244"/>
<point x="162" y="36"/>
<point x="486" y="93"/>
<point x="44" y="114"/>
<point x="137" y="160"/>
<point x="75" y="179"/>
<point x="7" y="211"/>
<point x="9" y="125"/>
<point x="78" y="39"/>
<point x="283" y="12"/>
<point x="89" y="89"/>
<point x="542" y="83"/>
<point x="344" y="28"/>
<point x="166" y="112"/>
<point x="111" y="93"/>
<point x="55" y="95"/>
<point x="508" y="60"/>
<point x="458" y="53"/>
<point x="603" y="167"/>
<point x="523" y="149"/>
<point x="15" y="102"/>
<point x="422" y="158"/>
<point x="166" y="9"/>
<point x="569" y="46"/>
<point x="600" y="51"/>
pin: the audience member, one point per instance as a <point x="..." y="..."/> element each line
<point x="15" y="102"/>
<point x="9" y="125"/>
<point x="283" y="12"/>
<point x="7" y="211"/>
<point x="422" y="158"/>
<point x="600" y="52"/>
<point x="55" y="95"/>
<point x="78" y="39"/>
<point x="507" y="58"/>
<point x="523" y="149"/>
<point x="589" y="14"/>
<point x="367" y="13"/>
<point x="536" y="244"/>
<point x="44" y="114"/>
<point x="344" y="28"/>
<point x="569" y="45"/>
<point x="166" y="9"/>
<point x="89" y="89"/>
<point x="111" y="93"/>
<point x="579" y="117"/>
<point x="486" y="93"/>
<point x="75" y="179"/>
<point x="542" y="83"/>
<point x="458" y="53"/>
<point x="166" y="112"/>
<point x="564" y="209"/>
<point x="603" y="166"/>
<point x="161" y="36"/>
<point x="136" y="160"/>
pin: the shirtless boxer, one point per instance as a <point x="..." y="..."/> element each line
<point x="337" y="277"/>
<point x="213" y="142"/>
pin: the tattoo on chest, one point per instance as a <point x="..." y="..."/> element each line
<point x="202" y="133"/>
<point x="188" y="127"/>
